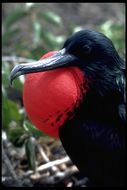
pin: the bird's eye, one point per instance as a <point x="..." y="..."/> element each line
<point x="87" y="49"/>
<point x="78" y="49"/>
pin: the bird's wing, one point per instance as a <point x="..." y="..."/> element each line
<point x="97" y="150"/>
<point x="121" y="84"/>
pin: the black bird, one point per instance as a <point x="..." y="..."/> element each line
<point x="93" y="130"/>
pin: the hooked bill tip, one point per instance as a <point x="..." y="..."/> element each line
<point x="14" y="73"/>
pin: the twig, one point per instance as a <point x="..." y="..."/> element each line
<point x="15" y="59"/>
<point x="49" y="165"/>
<point x="42" y="153"/>
<point x="59" y="176"/>
<point x="5" y="158"/>
<point x="53" y="163"/>
<point x="8" y="165"/>
<point x="45" y="157"/>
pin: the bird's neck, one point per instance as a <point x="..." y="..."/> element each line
<point x="97" y="108"/>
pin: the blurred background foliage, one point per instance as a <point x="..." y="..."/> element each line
<point x="28" y="31"/>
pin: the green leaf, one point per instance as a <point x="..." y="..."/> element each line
<point x="8" y="35"/>
<point x="18" y="84"/>
<point x="14" y="16"/>
<point x="30" y="153"/>
<point x="36" y="33"/>
<point x="10" y="112"/>
<point x="51" y="17"/>
<point x="37" y="52"/>
<point x="5" y="74"/>
<point x="17" y="136"/>
<point x="116" y="33"/>
<point x="29" y="127"/>
<point x="49" y="40"/>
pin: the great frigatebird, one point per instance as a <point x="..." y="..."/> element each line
<point x="78" y="94"/>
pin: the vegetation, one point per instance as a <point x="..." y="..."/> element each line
<point x="14" y="119"/>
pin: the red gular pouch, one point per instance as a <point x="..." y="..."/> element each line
<point x="50" y="95"/>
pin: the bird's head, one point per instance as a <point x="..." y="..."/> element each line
<point x="57" y="84"/>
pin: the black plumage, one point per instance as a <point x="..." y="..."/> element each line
<point x="95" y="137"/>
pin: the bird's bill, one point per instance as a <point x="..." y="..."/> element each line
<point x="60" y="59"/>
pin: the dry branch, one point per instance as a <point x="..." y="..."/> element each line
<point x="15" y="59"/>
